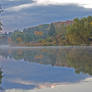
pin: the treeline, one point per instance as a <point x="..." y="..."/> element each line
<point x="80" y="32"/>
<point x="75" y="32"/>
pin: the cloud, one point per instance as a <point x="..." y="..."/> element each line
<point x="25" y="13"/>
<point x="20" y="7"/>
<point x="82" y="3"/>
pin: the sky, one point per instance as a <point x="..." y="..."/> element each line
<point x="20" y="14"/>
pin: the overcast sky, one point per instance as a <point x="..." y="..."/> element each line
<point x="19" y="14"/>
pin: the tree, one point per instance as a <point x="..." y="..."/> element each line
<point x="80" y="31"/>
<point x="17" y="36"/>
<point x="52" y="31"/>
<point x="0" y="26"/>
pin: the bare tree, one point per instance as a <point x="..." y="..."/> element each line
<point x="1" y="10"/>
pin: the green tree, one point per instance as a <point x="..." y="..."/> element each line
<point x="17" y="36"/>
<point x="52" y="31"/>
<point x="80" y="31"/>
<point x="0" y="26"/>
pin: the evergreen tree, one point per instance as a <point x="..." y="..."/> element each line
<point x="52" y="31"/>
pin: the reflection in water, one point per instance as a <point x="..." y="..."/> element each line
<point x="1" y="76"/>
<point x="38" y="85"/>
<point x="78" y="58"/>
<point x="44" y="67"/>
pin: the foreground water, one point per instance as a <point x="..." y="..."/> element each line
<point x="40" y="67"/>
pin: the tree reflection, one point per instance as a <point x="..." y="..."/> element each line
<point x="1" y="76"/>
<point x="81" y="60"/>
<point x="78" y="58"/>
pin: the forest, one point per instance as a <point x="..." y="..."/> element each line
<point x="71" y="32"/>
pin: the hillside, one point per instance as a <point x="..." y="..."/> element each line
<point x="39" y="34"/>
<point x="75" y="32"/>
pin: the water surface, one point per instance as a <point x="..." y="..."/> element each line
<point x="40" y="67"/>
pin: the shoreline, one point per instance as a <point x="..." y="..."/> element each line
<point x="7" y="46"/>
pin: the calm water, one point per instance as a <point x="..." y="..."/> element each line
<point x="29" y="68"/>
